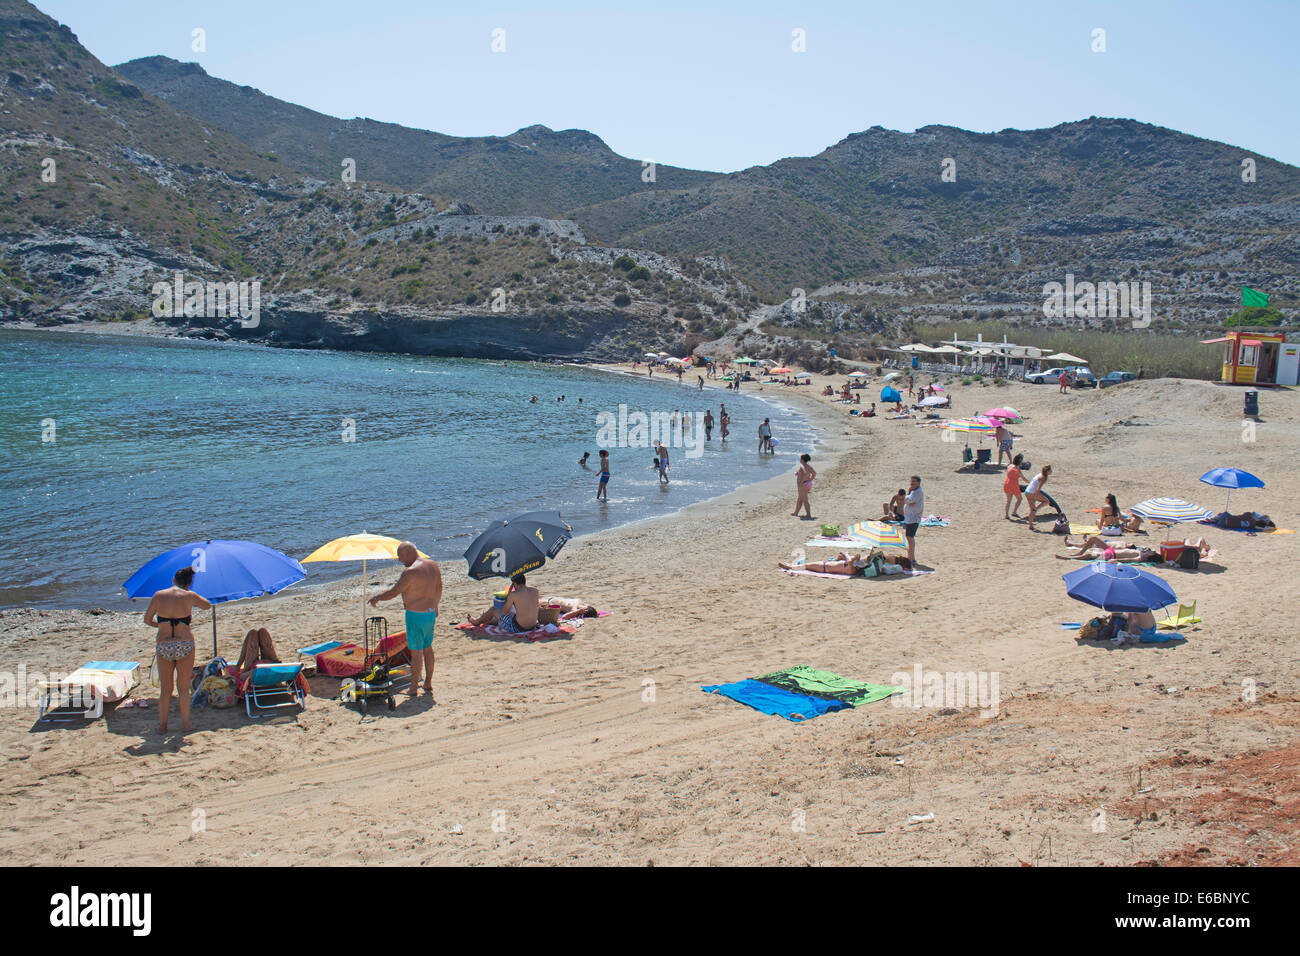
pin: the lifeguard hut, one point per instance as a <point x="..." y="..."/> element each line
<point x="1258" y="358"/>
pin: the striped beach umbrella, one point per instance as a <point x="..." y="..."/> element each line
<point x="878" y="534"/>
<point x="1171" y="510"/>
<point x="968" y="425"/>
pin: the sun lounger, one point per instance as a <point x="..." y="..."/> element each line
<point x="272" y="686"/>
<point x="82" y="694"/>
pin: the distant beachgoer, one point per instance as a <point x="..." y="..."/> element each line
<point x="913" y="512"/>
<point x="658" y="465"/>
<point x="662" y="452"/>
<point x="726" y="420"/>
<point x="1064" y="381"/>
<point x="870" y="412"/>
<point x="842" y="564"/>
<point x="1033" y="494"/>
<point x="708" y="425"/>
<point x="803" y="479"/>
<point x="1011" y="488"/>
<point x="892" y="510"/>
<point x="602" y="491"/>
<point x="420" y="586"/>
<point x="701" y="378"/>
<point x="765" y="436"/>
<point x="1004" y="439"/>
<point x="583" y="460"/>
<point x="170" y="611"/>
<point x="533" y="400"/>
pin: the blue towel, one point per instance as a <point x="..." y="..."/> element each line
<point x="774" y="700"/>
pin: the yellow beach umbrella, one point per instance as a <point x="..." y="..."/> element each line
<point x="361" y="547"/>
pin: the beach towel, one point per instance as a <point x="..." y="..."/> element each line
<point x="1219" y="527"/>
<point x="816" y="683"/>
<point x="776" y="701"/>
<point x="545" y="632"/>
<point x="349" y="660"/>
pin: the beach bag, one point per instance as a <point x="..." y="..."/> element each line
<point x="1189" y="559"/>
<point x="218" y="691"/>
<point x="1062" y="525"/>
<point x="966" y="455"/>
<point x="1091" y="630"/>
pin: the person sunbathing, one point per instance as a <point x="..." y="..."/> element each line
<point x="1112" y="517"/>
<point x="1095" y="541"/>
<point x="258" y="649"/>
<point x="843" y="564"/>
<point x="1119" y="555"/>
<point x="850" y="567"/>
<point x="892" y="510"/>
<point x="571" y="608"/>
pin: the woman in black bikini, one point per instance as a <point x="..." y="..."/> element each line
<point x="175" y="643"/>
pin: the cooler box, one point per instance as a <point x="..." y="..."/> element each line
<point x="1170" y="550"/>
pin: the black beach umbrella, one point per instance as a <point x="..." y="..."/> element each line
<point x="517" y="545"/>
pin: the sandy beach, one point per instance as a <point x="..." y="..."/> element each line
<point x="602" y="749"/>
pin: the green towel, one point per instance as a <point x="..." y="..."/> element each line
<point x="815" y="683"/>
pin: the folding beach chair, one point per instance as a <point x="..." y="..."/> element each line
<point x="312" y="650"/>
<point x="82" y="694"/>
<point x="272" y="686"/>
<point x="1186" y="615"/>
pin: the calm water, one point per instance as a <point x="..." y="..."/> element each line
<point x="159" y="443"/>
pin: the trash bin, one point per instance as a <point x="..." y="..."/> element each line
<point x="1252" y="403"/>
<point x="916" y="362"/>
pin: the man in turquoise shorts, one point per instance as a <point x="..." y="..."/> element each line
<point x="420" y="586"/>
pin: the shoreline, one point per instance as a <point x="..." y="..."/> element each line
<point x="817" y="415"/>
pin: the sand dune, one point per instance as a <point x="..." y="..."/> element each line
<point x="562" y="751"/>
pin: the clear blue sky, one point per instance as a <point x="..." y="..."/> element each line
<point x="715" y="85"/>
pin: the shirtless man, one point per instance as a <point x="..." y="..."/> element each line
<point x="519" y="614"/>
<point x="843" y="564"/>
<point x="420" y="586"/>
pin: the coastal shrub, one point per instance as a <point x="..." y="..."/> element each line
<point x="624" y="264"/>
<point x="622" y="299"/>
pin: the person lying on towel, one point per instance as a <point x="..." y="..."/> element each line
<point x="571" y="607"/>
<point x="852" y="566"/>
<point x="518" y="615"/>
<point x="1120" y="552"/>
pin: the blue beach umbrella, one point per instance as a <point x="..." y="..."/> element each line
<point x="223" y="571"/>
<point x="1231" y="478"/>
<point x="890" y="394"/>
<point x="1118" y="587"/>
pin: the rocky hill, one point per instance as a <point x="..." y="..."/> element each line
<point x="114" y="180"/>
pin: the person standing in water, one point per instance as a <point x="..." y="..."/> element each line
<point x="602" y="491"/>
<point x="420" y="586"/>
<point x="803" y="481"/>
<point x="708" y="425"/>
<point x="583" y="460"/>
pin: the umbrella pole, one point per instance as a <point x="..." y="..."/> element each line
<point x="214" y="630"/>
<point x="363" y="595"/>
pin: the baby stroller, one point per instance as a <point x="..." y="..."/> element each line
<point x="381" y="679"/>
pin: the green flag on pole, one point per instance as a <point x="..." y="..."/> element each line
<point x="1252" y="299"/>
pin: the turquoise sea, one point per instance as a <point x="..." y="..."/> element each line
<point x="117" y="448"/>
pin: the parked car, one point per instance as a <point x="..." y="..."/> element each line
<point x="1048" y="377"/>
<point x="1116" y="378"/>
<point x="1081" y="377"/>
